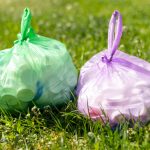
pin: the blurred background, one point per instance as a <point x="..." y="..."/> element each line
<point x="81" y="24"/>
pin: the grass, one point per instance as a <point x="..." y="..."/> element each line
<point x="82" y="25"/>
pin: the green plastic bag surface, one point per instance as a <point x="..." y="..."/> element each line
<point x="35" y="70"/>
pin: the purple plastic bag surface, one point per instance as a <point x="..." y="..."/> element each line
<point x="114" y="85"/>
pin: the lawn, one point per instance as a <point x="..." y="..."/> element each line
<point x="82" y="25"/>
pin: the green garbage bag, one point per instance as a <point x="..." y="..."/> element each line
<point x="36" y="70"/>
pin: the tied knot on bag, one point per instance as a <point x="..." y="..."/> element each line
<point x="106" y="60"/>
<point x="26" y="29"/>
<point x="114" y="36"/>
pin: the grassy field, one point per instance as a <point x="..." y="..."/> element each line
<point x="82" y="25"/>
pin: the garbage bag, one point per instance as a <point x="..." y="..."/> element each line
<point x="36" y="70"/>
<point x="114" y="86"/>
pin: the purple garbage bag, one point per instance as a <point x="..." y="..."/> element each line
<point x="113" y="85"/>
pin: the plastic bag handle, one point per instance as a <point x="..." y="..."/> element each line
<point x="25" y="23"/>
<point x="114" y="33"/>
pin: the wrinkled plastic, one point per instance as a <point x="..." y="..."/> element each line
<point x="36" y="70"/>
<point x="114" y="86"/>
